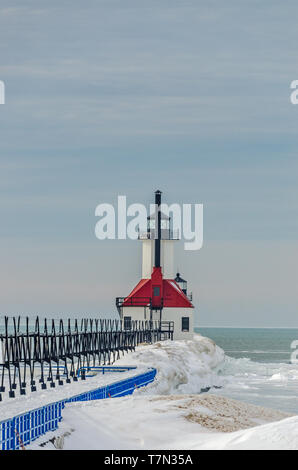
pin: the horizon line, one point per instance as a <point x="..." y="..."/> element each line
<point x="253" y="327"/>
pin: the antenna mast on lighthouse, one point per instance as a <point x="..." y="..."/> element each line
<point x="158" y="228"/>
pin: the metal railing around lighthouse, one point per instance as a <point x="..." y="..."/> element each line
<point x="51" y="352"/>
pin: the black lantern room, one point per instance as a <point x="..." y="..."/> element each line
<point x="182" y="283"/>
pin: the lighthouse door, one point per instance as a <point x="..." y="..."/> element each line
<point x="156" y="298"/>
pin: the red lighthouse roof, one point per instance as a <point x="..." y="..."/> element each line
<point x="158" y="292"/>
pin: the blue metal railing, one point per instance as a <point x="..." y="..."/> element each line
<point x="103" y="369"/>
<point x="21" y="430"/>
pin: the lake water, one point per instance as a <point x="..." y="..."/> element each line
<point x="258" y="367"/>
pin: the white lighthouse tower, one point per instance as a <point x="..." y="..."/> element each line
<point x="159" y="295"/>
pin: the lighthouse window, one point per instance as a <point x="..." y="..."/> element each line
<point x="185" y="324"/>
<point x="156" y="291"/>
<point x="127" y="323"/>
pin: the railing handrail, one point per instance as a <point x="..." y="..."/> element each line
<point x="166" y="234"/>
<point x="134" y="301"/>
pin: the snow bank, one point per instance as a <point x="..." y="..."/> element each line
<point x="172" y="422"/>
<point x="182" y="366"/>
<point x="281" y="435"/>
<point x="170" y="413"/>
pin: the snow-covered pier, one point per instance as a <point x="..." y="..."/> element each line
<point x="20" y="429"/>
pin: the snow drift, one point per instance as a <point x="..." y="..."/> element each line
<point x="182" y="366"/>
<point x="170" y="413"/>
<point x="171" y="422"/>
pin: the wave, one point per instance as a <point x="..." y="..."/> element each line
<point x="271" y="370"/>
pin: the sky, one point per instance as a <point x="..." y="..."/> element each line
<point x="113" y="97"/>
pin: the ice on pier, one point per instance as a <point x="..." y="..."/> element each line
<point x="182" y="366"/>
<point x="171" y="413"/>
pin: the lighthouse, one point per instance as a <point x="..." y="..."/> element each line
<point x="160" y="295"/>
